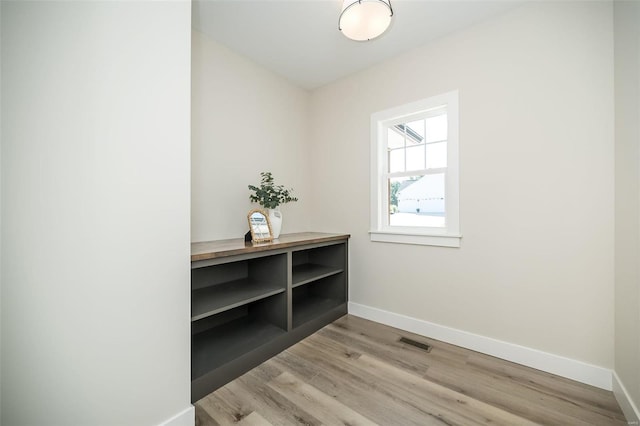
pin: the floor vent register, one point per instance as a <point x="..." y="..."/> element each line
<point x="415" y="343"/>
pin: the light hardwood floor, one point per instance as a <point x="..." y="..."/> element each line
<point x="356" y="372"/>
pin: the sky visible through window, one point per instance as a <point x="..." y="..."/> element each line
<point x="417" y="199"/>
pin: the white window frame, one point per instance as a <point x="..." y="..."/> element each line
<point x="381" y="231"/>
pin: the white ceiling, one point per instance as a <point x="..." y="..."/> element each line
<point x="299" y="39"/>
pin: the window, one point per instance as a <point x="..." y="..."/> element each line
<point x="414" y="173"/>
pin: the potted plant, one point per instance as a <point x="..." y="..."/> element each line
<point x="270" y="196"/>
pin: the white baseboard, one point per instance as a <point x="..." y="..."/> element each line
<point x="186" y="417"/>
<point x="555" y="364"/>
<point x="629" y="409"/>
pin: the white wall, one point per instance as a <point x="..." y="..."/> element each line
<point x="245" y="120"/>
<point x="536" y="159"/>
<point x="95" y="213"/>
<point x="627" y="206"/>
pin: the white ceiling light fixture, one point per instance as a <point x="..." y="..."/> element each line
<point x="363" y="20"/>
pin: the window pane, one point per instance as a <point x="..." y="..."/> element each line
<point x="437" y="128"/>
<point x="396" y="160"/>
<point x="417" y="201"/>
<point x="416" y="130"/>
<point x="394" y="139"/>
<point x="436" y="155"/>
<point x="415" y="158"/>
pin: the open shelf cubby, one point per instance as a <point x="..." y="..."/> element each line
<point x="314" y="264"/>
<point x="218" y="288"/>
<point x="243" y="329"/>
<point x="252" y="301"/>
<point x="310" y="301"/>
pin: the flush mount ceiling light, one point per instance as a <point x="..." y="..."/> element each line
<point x="363" y="20"/>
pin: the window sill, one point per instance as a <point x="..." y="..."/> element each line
<point x="417" y="239"/>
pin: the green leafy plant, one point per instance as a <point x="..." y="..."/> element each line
<point x="268" y="194"/>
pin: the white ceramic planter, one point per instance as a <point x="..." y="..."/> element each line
<point x="275" y="218"/>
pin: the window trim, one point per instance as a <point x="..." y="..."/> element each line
<point x="380" y="231"/>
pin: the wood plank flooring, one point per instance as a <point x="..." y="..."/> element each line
<point x="356" y="372"/>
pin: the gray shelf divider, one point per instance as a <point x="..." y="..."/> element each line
<point x="309" y="272"/>
<point x="222" y="297"/>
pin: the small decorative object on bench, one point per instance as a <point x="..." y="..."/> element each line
<point x="270" y="196"/>
<point x="259" y="226"/>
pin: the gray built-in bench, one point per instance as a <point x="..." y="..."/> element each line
<point x="252" y="301"/>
